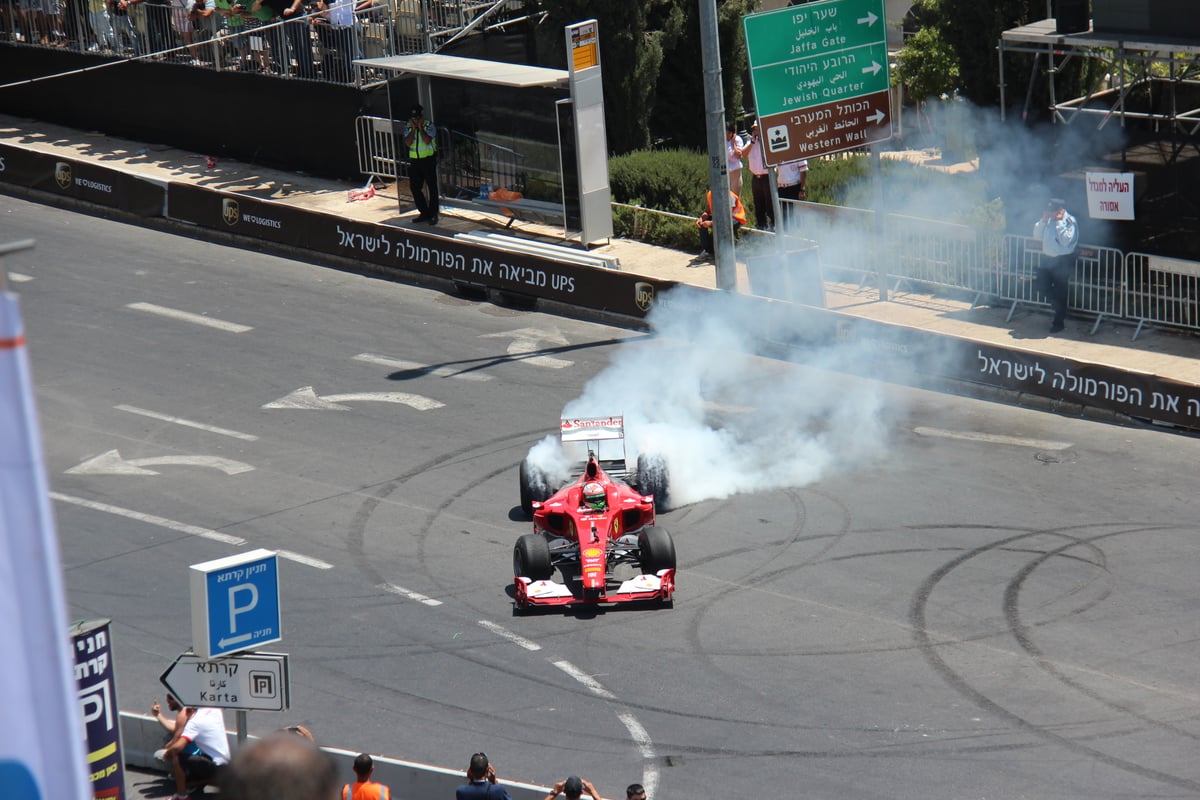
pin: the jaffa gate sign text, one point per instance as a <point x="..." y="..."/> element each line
<point x="820" y="77"/>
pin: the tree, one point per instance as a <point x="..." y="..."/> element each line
<point x="632" y="40"/>
<point x="650" y="54"/>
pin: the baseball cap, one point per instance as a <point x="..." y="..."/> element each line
<point x="573" y="786"/>
<point x="1055" y="204"/>
<point x="416" y="111"/>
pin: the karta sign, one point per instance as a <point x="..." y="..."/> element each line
<point x="248" y="682"/>
<point x="820" y="77"/>
<point x="235" y="603"/>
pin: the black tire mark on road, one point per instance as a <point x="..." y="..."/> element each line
<point x="1023" y="634"/>
<point x="929" y="650"/>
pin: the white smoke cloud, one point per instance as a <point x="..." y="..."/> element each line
<point x="729" y="422"/>
<point x="724" y="420"/>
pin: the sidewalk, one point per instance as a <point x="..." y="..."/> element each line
<point x="1155" y="355"/>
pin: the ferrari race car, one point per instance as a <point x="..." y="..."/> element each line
<point x="598" y="532"/>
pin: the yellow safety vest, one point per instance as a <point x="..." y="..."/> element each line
<point x="419" y="147"/>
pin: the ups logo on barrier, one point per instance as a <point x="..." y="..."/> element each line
<point x="62" y="174"/>
<point x="230" y="211"/>
<point x="643" y="295"/>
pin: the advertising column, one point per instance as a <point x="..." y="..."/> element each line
<point x="591" y="136"/>
<point x="98" y="701"/>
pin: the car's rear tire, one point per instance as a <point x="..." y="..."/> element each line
<point x="535" y="485"/>
<point x="657" y="550"/>
<point x="652" y="479"/>
<point x="531" y="558"/>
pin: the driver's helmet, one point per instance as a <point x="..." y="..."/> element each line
<point x="594" y="496"/>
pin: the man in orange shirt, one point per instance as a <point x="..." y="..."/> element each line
<point x="364" y="788"/>
<point x="705" y="223"/>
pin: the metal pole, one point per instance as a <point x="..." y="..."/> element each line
<point x="243" y="730"/>
<point x="877" y="176"/>
<point x="718" y="175"/>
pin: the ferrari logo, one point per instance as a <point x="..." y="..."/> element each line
<point x="592" y="552"/>
<point x="230" y="211"/>
<point x="62" y="174"/>
<point x="643" y="295"/>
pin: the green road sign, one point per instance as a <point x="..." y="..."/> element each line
<point x="805" y="30"/>
<point x="825" y="58"/>
<point x="836" y="75"/>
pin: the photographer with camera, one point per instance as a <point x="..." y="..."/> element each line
<point x="420" y="148"/>
<point x="481" y="785"/>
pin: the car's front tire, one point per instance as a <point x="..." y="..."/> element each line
<point x="657" y="550"/>
<point x="531" y="558"/>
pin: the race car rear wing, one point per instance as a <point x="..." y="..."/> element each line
<point x="604" y="436"/>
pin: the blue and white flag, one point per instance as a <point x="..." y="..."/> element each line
<point x="42" y="752"/>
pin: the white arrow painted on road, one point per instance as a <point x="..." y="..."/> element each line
<point x="529" y="340"/>
<point x="111" y="463"/>
<point x="869" y="19"/>
<point x="877" y="117"/>
<point x="413" y="366"/>
<point x="306" y="398"/>
<point x="874" y="68"/>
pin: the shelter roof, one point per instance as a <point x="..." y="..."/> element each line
<point x="477" y="70"/>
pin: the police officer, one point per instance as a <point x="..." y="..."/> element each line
<point x="420" y="148"/>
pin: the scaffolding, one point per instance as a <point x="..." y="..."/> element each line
<point x="1164" y="71"/>
<point x="1149" y="86"/>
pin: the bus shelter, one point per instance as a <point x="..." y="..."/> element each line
<point x="508" y="138"/>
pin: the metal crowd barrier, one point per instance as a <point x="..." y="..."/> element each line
<point x="376" y="138"/>
<point x="1162" y="291"/>
<point x="1106" y="283"/>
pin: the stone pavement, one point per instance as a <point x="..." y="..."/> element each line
<point x="1155" y="354"/>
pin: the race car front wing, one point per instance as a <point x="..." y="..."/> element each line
<point x="659" y="586"/>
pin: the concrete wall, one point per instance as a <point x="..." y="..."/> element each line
<point x="142" y="735"/>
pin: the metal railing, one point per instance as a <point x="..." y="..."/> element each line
<point x="307" y="46"/>
<point x="1106" y="282"/>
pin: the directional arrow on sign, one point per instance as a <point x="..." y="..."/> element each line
<point x="253" y="681"/>
<point x="873" y="69"/>
<point x="111" y="463"/>
<point x="307" y="398"/>
<point x="877" y="117"/>
<point x="870" y="19"/>
<point x="531" y="340"/>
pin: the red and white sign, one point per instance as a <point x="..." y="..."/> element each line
<point x="1110" y="195"/>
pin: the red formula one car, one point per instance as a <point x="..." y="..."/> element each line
<point x="597" y="532"/>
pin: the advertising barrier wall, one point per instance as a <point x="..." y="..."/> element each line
<point x="401" y="249"/>
<point x="82" y="180"/>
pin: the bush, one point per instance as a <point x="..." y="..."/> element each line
<point x="667" y="180"/>
<point x="675" y="181"/>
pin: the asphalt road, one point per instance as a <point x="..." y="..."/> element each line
<point x="908" y="596"/>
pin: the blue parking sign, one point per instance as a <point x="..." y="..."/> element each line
<point x="235" y="603"/>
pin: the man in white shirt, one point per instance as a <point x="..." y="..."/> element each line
<point x="735" y="149"/>
<point x="793" y="184"/>
<point x="760" y="182"/>
<point x="198" y="751"/>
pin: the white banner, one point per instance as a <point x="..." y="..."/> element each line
<point x="1110" y="195"/>
<point x="42" y="752"/>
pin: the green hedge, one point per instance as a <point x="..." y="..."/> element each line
<point x="677" y="180"/>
